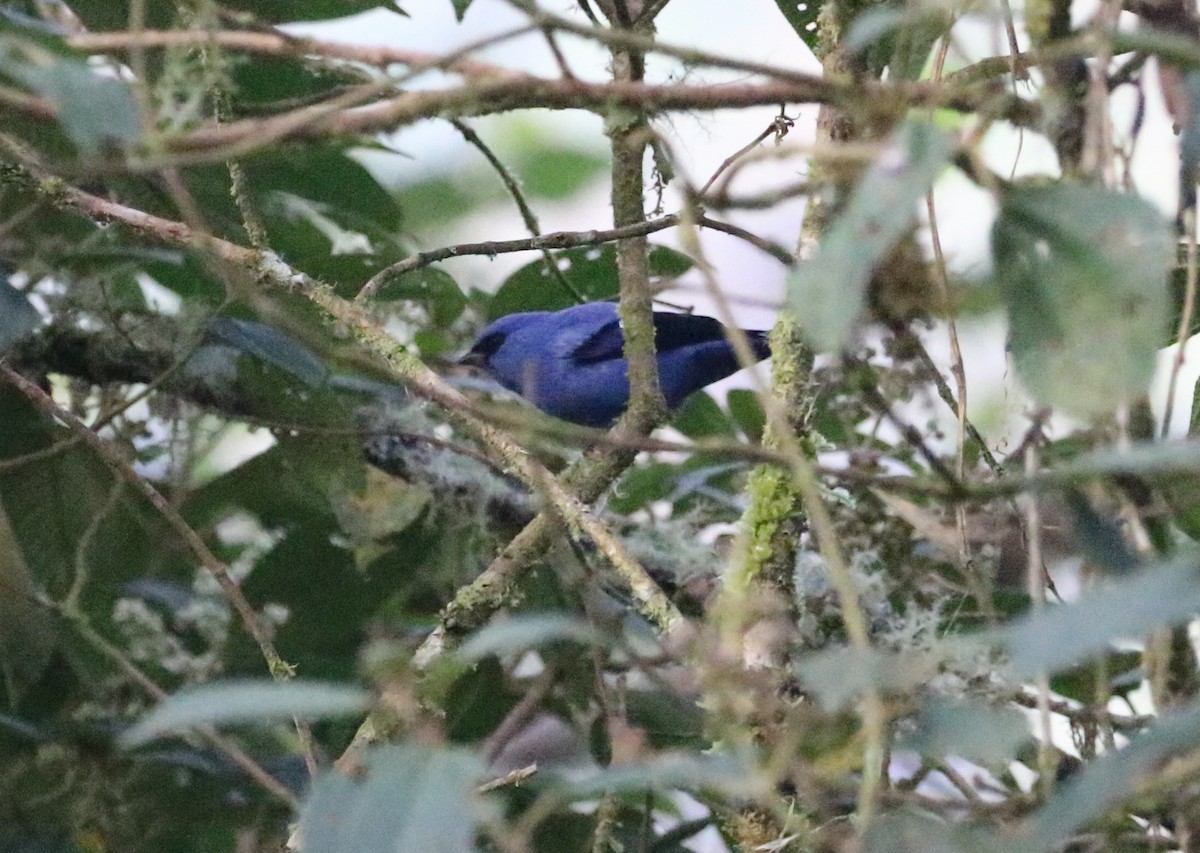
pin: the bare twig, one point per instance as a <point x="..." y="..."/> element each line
<point x="230" y="748"/>
<point x="417" y="376"/>
<point x="804" y="476"/>
<point x="777" y="128"/>
<point x="277" y="43"/>
<point x="514" y="190"/>
<point x="1036" y="580"/>
<point x="1185" y="323"/>
<point x="491" y="248"/>
<point x="279" y="669"/>
<point x="512" y="777"/>
<point x="559" y="240"/>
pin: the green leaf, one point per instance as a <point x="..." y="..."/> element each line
<point x="315" y="491"/>
<point x="666" y="772"/>
<point x="1084" y="273"/>
<point x="327" y="176"/>
<point x="828" y="293"/>
<point x="286" y="11"/>
<point x="802" y="15"/>
<point x="114" y="14"/>
<point x="431" y="287"/>
<point x="28" y="631"/>
<point x="460" y="7"/>
<point x="271" y="346"/>
<point x="371" y="512"/>
<point x="1115" y="776"/>
<point x="524" y="632"/>
<point x="1122" y="671"/>
<point x="1055" y="637"/>
<point x="667" y="718"/>
<point x="641" y="485"/>
<point x="922" y="833"/>
<point x="95" y="111"/>
<point x="554" y="172"/>
<point x="476" y="701"/>
<point x="441" y="199"/>
<point x="976" y="732"/>
<point x="591" y="271"/>
<point x="408" y="798"/>
<point x="222" y="703"/>
<point x="1182" y="494"/>
<point x="665" y="262"/>
<point x="271" y="79"/>
<point x="1046" y="640"/>
<point x="747" y="413"/>
<point x="701" y="417"/>
<point x="898" y="37"/>
<point x="62" y="514"/>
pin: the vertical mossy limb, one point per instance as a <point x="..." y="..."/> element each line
<point x="774" y="520"/>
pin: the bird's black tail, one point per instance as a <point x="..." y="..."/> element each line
<point x="759" y="344"/>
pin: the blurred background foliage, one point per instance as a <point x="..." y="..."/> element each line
<point x="138" y="713"/>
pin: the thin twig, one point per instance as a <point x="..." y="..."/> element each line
<point x="803" y="472"/>
<point x="1014" y="47"/>
<point x="234" y="752"/>
<point x="773" y="129"/>
<point x="912" y="436"/>
<point x="512" y="777"/>
<point x="1036" y="582"/>
<point x="947" y="396"/>
<point x="279" y="669"/>
<point x="520" y="714"/>
<point x="558" y="240"/>
<point x="957" y="368"/>
<point x="39" y="455"/>
<point x="1185" y="322"/>
<point x="1129" y="723"/>
<point x="408" y="369"/>
<point x="775" y="250"/>
<point x="276" y="43"/>
<point x="518" y="197"/>
<point x="491" y="248"/>
<point x="82" y="565"/>
<point x="765" y="200"/>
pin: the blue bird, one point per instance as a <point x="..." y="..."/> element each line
<point x="571" y="364"/>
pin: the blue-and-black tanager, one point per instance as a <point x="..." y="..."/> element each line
<point x="571" y="364"/>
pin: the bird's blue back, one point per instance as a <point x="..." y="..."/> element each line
<point x="569" y="363"/>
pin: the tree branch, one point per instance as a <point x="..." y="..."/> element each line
<point x="491" y="248"/>
<point x="507" y="453"/>
<point x="280" y="670"/>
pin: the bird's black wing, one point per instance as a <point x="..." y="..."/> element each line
<point x="671" y="331"/>
<point x="675" y="331"/>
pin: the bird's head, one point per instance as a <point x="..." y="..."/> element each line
<point x="494" y="336"/>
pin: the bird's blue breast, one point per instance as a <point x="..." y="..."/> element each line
<point x="536" y="362"/>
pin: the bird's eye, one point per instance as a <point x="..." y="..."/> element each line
<point x="486" y="346"/>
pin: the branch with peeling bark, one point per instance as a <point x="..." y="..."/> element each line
<point x="505" y="451"/>
<point x="491" y="89"/>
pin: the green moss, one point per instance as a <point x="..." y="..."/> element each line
<point x="773" y="521"/>
<point x="54" y="189"/>
<point x="772" y="501"/>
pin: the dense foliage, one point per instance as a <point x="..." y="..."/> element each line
<point x="274" y="572"/>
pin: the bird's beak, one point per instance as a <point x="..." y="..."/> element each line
<point x="472" y="359"/>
